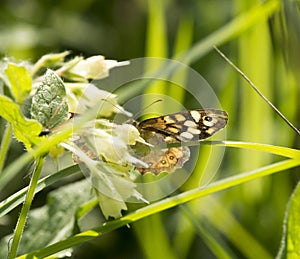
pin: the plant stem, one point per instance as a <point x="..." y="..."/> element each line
<point x="5" y="145"/>
<point x="25" y="208"/>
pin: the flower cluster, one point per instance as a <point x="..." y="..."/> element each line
<point x="64" y="96"/>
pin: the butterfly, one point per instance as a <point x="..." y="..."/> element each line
<point x="185" y="126"/>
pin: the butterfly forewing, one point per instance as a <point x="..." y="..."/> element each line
<point x="187" y="125"/>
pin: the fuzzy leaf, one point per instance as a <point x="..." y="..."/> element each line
<point x="49" y="104"/>
<point x="20" y="81"/>
<point x="25" y="130"/>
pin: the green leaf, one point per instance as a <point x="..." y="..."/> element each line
<point x="49" y="104"/>
<point x="25" y="130"/>
<point x="54" y="221"/>
<point x="50" y="60"/>
<point x="20" y="81"/>
<point x="291" y="240"/>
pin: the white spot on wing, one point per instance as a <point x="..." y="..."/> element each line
<point x="196" y="115"/>
<point x="186" y="135"/>
<point x="194" y="131"/>
<point x="211" y="131"/>
<point x="209" y="123"/>
<point x="168" y="119"/>
<point x="189" y="123"/>
<point x="179" y="117"/>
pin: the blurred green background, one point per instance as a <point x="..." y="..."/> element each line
<point x="246" y="222"/>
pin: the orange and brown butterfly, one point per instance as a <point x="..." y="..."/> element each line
<point x="186" y="126"/>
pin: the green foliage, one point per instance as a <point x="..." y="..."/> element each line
<point x="290" y="240"/>
<point x="198" y="220"/>
<point x="53" y="221"/>
<point x="20" y="81"/>
<point x="293" y="225"/>
<point x="25" y="130"/>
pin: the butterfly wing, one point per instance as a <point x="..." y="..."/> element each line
<point x="184" y="126"/>
<point x="187" y="125"/>
<point x="165" y="160"/>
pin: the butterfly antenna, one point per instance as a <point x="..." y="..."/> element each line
<point x="122" y="111"/>
<point x="149" y="105"/>
<point x="257" y="90"/>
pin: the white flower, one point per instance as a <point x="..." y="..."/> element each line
<point x="95" y="67"/>
<point x="115" y="150"/>
<point x="82" y="96"/>
<point x="111" y="141"/>
<point x="129" y="134"/>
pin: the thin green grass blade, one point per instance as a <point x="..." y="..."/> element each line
<point x="232" y="229"/>
<point x="5" y="143"/>
<point x="163" y="205"/>
<point x="17" y="198"/>
<point x="150" y="232"/>
<point x="183" y="42"/>
<point x="218" y="248"/>
<point x="152" y="235"/>
<point x="276" y="150"/>
<point x="11" y="171"/>
<point x="256" y="120"/>
<point x="157" y="46"/>
<point x="231" y="30"/>
<point x="228" y="32"/>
